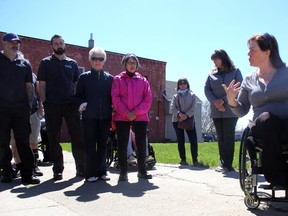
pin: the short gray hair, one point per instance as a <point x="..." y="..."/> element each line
<point x="99" y="51"/>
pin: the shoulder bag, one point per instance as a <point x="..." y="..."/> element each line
<point x="187" y="124"/>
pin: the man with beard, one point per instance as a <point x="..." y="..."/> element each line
<point x="16" y="95"/>
<point x="57" y="76"/>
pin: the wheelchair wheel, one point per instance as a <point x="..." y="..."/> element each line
<point x="244" y="162"/>
<point x="251" y="203"/>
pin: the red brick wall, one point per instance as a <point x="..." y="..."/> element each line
<point x="155" y="71"/>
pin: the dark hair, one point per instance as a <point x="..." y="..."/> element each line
<point x="227" y="63"/>
<point x="182" y="80"/>
<point x="126" y="58"/>
<point x="55" y="36"/>
<point x="267" y="41"/>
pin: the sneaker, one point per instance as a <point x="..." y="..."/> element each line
<point x="144" y="175"/>
<point x="57" y="176"/>
<point x="16" y="173"/>
<point x="183" y="162"/>
<point x="44" y="163"/>
<point x="104" y="177"/>
<point x="37" y="172"/>
<point x="30" y="180"/>
<point x="123" y="177"/>
<point x="91" y="179"/>
<point x="223" y="169"/>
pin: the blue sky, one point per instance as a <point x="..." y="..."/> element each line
<point x="182" y="33"/>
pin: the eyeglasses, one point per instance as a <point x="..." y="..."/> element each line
<point x="97" y="59"/>
<point x="131" y="63"/>
<point x="183" y="83"/>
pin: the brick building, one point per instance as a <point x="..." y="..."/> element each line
<point x="36" y="49"/>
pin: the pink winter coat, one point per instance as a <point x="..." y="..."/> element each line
<point x="131" y="94"/>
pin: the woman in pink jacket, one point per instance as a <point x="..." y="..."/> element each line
<point x="132" y="99"/>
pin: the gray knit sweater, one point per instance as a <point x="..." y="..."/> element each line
<point x="213" y="90"/>
<point x="272" y="98"/>
<point x="187" y="103"/>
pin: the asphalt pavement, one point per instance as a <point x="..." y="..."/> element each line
<point x="174" y="190"/>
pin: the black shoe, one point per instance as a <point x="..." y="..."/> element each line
<point x="144" y="175"/>
<point x="6" y="178"/>
<point x="183" y="162"/>
<point x="123" y="177"/>
<point x="57" y="176"/>
<point x="44" y="163"/>
<point x="37" y="172"/>
<point x="30" y="180"/>
<point x="80" y="174"/>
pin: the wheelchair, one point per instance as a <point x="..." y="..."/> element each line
<point x="250" y="169"/>
<point x="112" y="152"/>
<point x="43" y="146"/>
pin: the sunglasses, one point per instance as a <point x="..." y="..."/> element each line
<point x="183" y="83"/>
<point x="97" y="59"/>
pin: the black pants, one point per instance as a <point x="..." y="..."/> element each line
<point x="270" y="129"/>
<point x="123" y="131"/>
<point x="192" y="136"/>
<point x="96" y="133"/>
<point x="17" y="119"/>
<point x="54" y="113"/>
<point x="225" y="128"/>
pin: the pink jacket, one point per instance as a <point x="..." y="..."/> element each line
<point x="131" y="94"/>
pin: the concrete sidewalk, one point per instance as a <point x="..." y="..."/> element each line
<point x="173" y="190"/>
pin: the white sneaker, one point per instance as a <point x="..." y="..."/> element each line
<point x="104" y="177"/>
<point x="92" y="179"/>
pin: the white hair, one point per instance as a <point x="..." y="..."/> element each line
<point x="99" y="51"/>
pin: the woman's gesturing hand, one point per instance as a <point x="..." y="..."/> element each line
<point x="232" y="91"/>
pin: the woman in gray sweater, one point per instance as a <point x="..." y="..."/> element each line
<point x="224" y="119"/>
<point x="266" y="90"/>
<point x="183" y="106"/>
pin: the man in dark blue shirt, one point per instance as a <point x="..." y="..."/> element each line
<point x="57" y="76"/>
<point x="16" y="95"/>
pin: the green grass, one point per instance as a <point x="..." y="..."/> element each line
<point x="168" y="153"/>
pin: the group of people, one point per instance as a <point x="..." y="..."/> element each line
<point x="231" y="97"/>
<point x="266" y="91"/>
<point x="67" y="94"/>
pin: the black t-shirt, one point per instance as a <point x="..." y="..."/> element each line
<point x="60" y="77"/>
<point x="13" y="78"/>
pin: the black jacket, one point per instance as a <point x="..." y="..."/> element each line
<point x="94" y="87"/>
